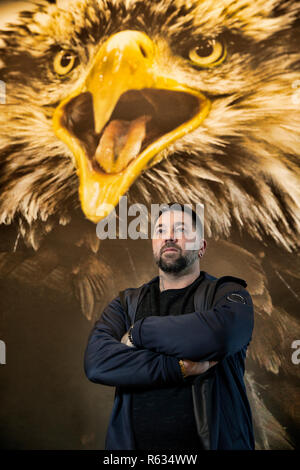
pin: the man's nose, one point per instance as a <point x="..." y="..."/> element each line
<point x="170" y="235"/>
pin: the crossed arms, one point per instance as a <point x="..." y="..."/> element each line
<point x="160" y="341"/>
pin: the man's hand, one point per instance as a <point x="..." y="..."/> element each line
<point x="126" y="340"/>
<point x="195" y="368"/>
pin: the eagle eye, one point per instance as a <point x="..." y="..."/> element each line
<point x="64" y="62"/>
<point x="208" y="53"/>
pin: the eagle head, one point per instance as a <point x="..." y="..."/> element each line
<point x="155" y="99"/>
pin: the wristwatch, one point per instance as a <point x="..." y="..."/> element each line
<point x="130" y="336"/>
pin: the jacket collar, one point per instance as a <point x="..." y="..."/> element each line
<point x="156" y="278"/>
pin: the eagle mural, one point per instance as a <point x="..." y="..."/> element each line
<point x="194" y="101"/>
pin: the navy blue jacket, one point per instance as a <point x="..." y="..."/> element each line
<point x="220" y="329"/>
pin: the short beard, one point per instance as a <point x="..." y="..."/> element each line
<point x="179" y="264"/>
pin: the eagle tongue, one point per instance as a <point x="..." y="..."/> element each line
<point x="120" y="143"/>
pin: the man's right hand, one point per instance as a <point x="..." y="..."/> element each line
<point x="195" y="368"/>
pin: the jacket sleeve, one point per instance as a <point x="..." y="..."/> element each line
<point x="211" y="335"/>
<point x="108" y="361"/>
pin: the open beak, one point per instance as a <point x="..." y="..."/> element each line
<point x="122" y="116"/>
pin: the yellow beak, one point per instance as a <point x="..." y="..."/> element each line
<point x="134" y="112"/>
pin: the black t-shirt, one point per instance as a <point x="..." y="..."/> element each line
<point x="163" y="417"/>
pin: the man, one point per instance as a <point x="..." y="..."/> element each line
<point x="178" y="370"/>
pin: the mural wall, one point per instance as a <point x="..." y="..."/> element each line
<point x="190" y="101"/>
